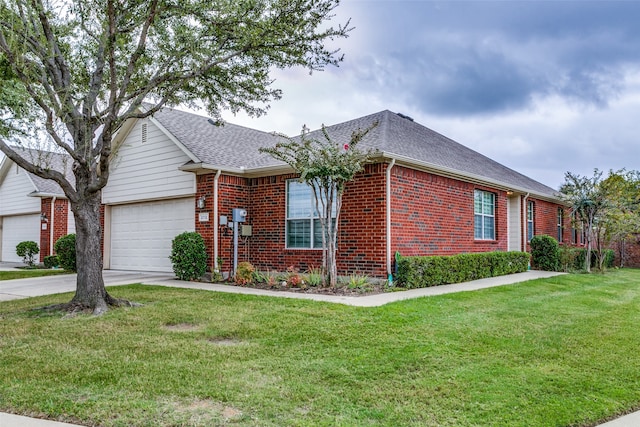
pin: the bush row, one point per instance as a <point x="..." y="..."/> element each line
<point x="547" y="255"/>
<point x="572" y="259"/>
<point x="422" y="272"/>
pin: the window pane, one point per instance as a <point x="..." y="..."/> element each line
<point x="477" y="227"/>
<point x="299" y="201"/>
<point x="317" y="234"/>
<point x="487" y="204"/>
<point x="488" y="228"/>
<point x="299" y="233"/>
<point x="477" y="202"/>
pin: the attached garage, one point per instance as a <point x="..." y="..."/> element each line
<point x="141" y="233"/>
<point x="16" y="229"/>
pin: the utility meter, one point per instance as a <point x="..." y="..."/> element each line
<point x="239" y="215"/>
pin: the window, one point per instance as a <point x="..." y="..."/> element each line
<point x="484" y="204"/>
<point x="560" y="222"/>
<point x="530" y="207"/>
<point x="303" y="223"/>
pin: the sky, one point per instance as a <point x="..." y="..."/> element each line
<point x="543" y="87"/>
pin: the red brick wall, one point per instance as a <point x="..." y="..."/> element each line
<point x="57" y="225"/>
<point x="628" y="252"/>
<point x="232" y="193"/>
<point x="545" y="221"/>
<point x="433" y="215"/>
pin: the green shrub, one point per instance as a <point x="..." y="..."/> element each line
<point x="421" y="272"/>
<point x="244" y="273"/>
<point x="545" y="253"/>
<point x="27" y="251"/>
<point x="65" y="248"/>
<point x="51" y="261"/>
<point x="570" y="259"/>
<point x="189" y="256"/>
<point x="609" y="258"/>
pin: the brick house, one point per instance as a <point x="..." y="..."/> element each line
<point x="32" y="208"/>
<point x="424" y="194"/>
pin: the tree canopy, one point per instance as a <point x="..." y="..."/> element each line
<point x="76" y="70"/>
<point x="608" y="209"/>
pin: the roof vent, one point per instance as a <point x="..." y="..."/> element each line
<point x="404" y="116"/>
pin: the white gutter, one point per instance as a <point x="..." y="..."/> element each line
<point x="388" y="219"/>
<point x="215" y="221"/>
<point x="467" y="177"/>
<point x="51" y="224"/>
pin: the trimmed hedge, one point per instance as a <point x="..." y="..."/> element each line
<point x="422" y="272"/>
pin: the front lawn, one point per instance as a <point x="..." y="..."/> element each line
<point x="553" y="352"/>
<point x="26" y="273"/>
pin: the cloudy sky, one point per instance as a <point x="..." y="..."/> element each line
<point x="542" y="87"/>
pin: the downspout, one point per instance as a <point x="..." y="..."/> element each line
<point x="388" y="220"/>
<point x="525" y="233"/>
<point x="215" y="221"/>
<point x="52" y="224"/>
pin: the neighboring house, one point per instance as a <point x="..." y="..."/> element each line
<point x="424" y="194"/>
<point x="32" y="208"/>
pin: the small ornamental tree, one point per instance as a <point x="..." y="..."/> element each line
<point x="588" y="204"/>
<point x="326" y="166"/>
<point x="27" y="251"/>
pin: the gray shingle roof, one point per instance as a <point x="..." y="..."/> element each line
<point x="47" y="160"/>
<point x="395" y="136"/>
<point x="228" y="145"/>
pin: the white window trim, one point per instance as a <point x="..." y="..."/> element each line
<point x="531" y="220"/>
<point x="287" y="219"/>
<point x="493" y="217"/>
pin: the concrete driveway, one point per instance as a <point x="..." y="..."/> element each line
<point x="36" y="286"/>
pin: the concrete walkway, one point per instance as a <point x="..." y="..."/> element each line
<point x="25" y="288"/>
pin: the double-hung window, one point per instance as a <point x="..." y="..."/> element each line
<point x="530" y="208"/>
<point x="560" y="222"/>
<point x="484" y="208"/>
<point x="303" y="229"/>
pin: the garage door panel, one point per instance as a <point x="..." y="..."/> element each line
<point x="16" y="229"/>
<point x="141" y="233"/>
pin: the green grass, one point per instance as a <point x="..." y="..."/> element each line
<point x="23" y="274"/>
<point x="554" y="352"/>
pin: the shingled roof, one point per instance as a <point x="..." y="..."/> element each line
<point x="225" y="145"/>
<point x="47" y="160"/>
<point x="396" y="136"/>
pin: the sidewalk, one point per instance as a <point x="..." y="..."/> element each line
<point x="24" y="288"/>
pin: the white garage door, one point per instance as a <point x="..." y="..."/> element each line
<point x="16" y="229"/>
<point x="141" y="233"/>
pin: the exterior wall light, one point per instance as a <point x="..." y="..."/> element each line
<point x="201" y="200"/>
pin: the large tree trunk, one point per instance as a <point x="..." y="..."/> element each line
<point x="90" y="290"/>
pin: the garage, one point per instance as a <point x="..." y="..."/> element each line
<point x="16" y="229"/>
<point x="141" y="233"/>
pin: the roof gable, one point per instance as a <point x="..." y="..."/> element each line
<point x="46" y="160"/>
